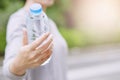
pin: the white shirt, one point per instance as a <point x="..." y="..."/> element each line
<point x="54" y="70"/>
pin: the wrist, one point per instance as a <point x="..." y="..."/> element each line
<point x="17" y="69"/>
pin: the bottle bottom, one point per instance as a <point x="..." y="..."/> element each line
<point x="46" y="62"/>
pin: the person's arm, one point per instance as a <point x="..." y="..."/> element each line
<point x="14" y="36"/>
<point x="20" y="55"/>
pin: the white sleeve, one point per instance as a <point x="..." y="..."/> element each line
<point x="14" y="41"/>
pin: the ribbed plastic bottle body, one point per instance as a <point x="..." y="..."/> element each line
<point x="37" y="25"/>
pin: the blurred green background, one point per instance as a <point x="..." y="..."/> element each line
<point x="56" y="12"/>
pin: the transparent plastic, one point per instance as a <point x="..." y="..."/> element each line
<point x="37" y="24"/>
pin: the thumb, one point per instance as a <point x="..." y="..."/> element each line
<point x="25" y="37"/>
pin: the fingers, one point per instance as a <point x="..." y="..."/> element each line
<point x="41" y="51"/>
<point x="50" y="47"/>
<point x="39" y="41"/>
<point x="45" y="46"/>
<point x="25" y="38"/>
<point x="41" y="59"/>
<point x="35" y="55"/>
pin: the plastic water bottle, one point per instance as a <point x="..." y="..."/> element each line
<point x="37" y="23"/>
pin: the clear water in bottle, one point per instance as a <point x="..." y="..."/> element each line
<point x="37" y="23"/>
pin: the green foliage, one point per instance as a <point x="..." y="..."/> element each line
<point x="55" y="12"/>
<point x="2" y="41"/>
<point x="73" y="37"/>
<point x="3" y="4"/>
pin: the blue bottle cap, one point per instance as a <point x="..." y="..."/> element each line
<point x="35" y="9"/>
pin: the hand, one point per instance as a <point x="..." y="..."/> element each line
<point x="33" y="54"/>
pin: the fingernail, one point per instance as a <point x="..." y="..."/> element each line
<point x="46" y="33"/>
<point x="51" y="36"/>
<point x="24" y="29"/>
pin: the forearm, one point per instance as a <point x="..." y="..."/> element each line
<point x="10" y="54"/>
<point x="9" y="74"/>
<point x="16" y="69"/>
